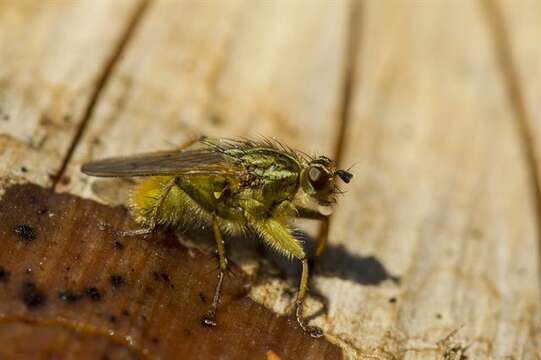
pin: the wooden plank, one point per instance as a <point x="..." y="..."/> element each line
<point x="52" y="55"/>
<point x="517" y="28"/>
<point x="441" y="194"/>
<point x="226" y="68"/>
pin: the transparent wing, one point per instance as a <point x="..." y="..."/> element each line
<point x="206" y="161"/>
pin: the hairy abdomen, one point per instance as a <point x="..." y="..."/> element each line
<point x="158" y="201"/>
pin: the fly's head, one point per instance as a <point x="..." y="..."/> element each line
<point x="318" y="180"/>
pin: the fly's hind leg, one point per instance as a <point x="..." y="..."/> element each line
<point x="209" y="319"/>
<point x="126" y="233"/>
<point x="136" y="232"/>
<point x="153" y="213"/>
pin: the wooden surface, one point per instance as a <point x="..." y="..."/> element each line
<point x="48" y="80"/>
<point x="434" y="248"/>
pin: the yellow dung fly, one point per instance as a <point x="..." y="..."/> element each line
<point x="234" y="186"/>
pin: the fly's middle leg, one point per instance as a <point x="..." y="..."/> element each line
<point x="323" y="236"/>
<point x="209" y="319"/>
<point x="314" y="331"/>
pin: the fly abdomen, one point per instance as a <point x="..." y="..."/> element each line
<point x="159" y="201"/>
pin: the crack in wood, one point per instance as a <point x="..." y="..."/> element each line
<point x="508" y="65"/>
<point x="346" y="109"/>
<point x="101" y="82"/>
<point x="350" y="74"/>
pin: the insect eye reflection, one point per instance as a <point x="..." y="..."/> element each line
<point x="318" y="177"/>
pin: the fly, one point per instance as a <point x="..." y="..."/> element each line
<point x="235" y="186"/>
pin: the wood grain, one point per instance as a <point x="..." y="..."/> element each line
<point x="442" y="194"/>
<point x="47" y="77"/>
<point x="226" y="68"/>
<point x="434" y="248"/>
<point x="516" y="27"/>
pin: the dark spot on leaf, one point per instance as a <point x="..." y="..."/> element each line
<point x="118" y="245"/>
<point x="25" y="232"/>
<point x="69" y="296"/>
<point x="117" y="280"/>
<point x="4" y="275"/>
<point x="31" y="295"/>
<point x="93" y="293"/>
<point x="202" y="297"/>
<point x="392" y="300"/>
<point x="24" y="169"/>
<point x="161" y="276"/>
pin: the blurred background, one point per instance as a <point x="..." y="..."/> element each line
<point x="434" y="248"/>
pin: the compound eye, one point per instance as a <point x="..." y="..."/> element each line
<point x="318" y="178"/>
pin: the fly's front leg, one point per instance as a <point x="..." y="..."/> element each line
<point x="323" y="234"/>
<point x="279" y="236"/>
<point x="209" y="319"/>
